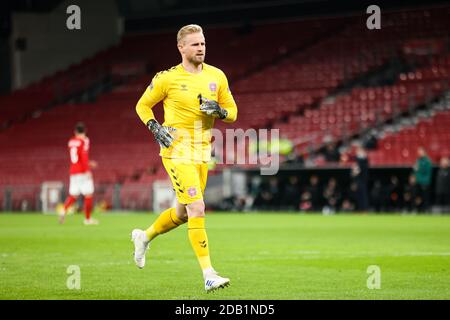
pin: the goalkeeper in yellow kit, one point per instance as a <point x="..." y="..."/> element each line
<point x="194" y="94"/>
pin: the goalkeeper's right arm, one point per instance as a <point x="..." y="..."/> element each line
<point x="162" y="134"/>
<point x="153" y="94"/>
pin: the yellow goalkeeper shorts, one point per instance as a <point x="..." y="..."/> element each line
<point x="188" y="179"/>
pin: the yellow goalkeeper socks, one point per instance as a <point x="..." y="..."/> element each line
<point x="199" y="241"/>
<point x="166" y="221"/>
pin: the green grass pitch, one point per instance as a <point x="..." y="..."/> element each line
<point x="266" y="256"/>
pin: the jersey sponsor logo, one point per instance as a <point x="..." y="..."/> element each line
<point x="213" y="86"/>
<point x="192" y="191"/>
<point x="184" y="87"/>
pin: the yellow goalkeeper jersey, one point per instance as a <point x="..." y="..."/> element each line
<point x="180" y="90"/>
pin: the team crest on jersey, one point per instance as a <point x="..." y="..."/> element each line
<point x="213" y="86"/>
<point x="192" y="191"/>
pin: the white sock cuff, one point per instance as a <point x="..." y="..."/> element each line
<point x="208" y="271"/>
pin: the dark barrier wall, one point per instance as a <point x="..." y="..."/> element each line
<point x="384" y="193"/>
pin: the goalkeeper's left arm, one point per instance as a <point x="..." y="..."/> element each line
<point x="212" y="108"/>
<point x="225" y="108"/>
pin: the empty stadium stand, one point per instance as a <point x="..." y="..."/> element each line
<point x="429" y="129"/>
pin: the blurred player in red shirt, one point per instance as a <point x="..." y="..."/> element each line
<point x="81" y="181"/>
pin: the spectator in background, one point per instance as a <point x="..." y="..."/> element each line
<point x="296" y="158"/>
<point x="423" y="170"/>
<point x="332" y="197"/>
<point x="291" y="196"/>
<point x="371" y="142"/>
<point x="350" y="199"/>
<point x="274" y="189"/>
<point x="442" y="188"/>
<point x="269" y="195"/>
<point x="377" y="196"/>
<point x="347" y="205"/>
<point x="331" y="153"/>
<point x="360" y="172"/>
<point x="394" y="190"/>
<point x="411" y="195"/>
<point x="254" y="189"/>
<point x="311" y="197"/>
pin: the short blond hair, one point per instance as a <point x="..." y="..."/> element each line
<point x="190" y="28"/>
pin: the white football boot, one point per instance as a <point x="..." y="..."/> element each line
<point x="140" y="246"/>
<point x="213" y="281"/>
<point x="90" y="222"/>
